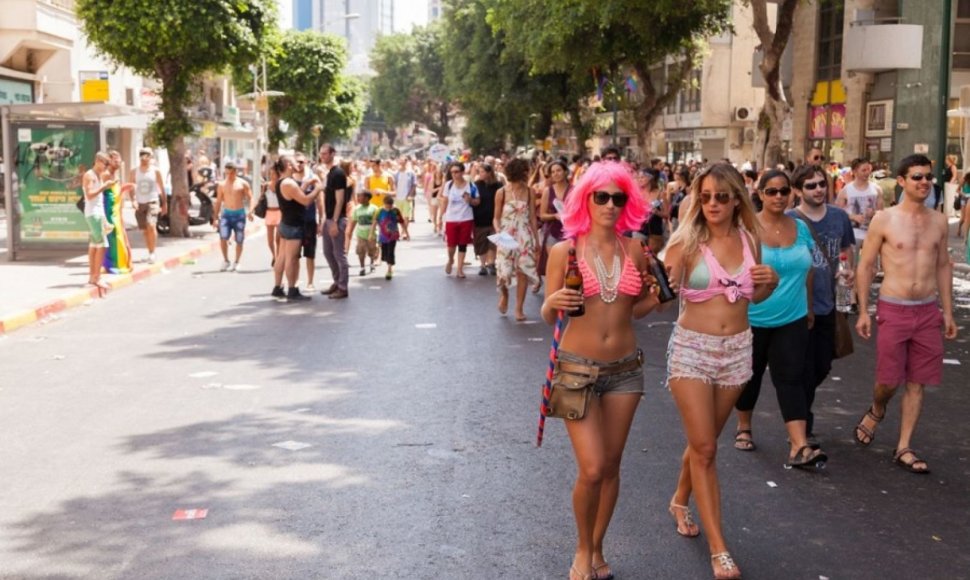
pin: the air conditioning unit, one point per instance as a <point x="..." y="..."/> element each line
<point x="743" y="114"/>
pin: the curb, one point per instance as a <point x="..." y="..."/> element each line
<point x="19" y="319"/>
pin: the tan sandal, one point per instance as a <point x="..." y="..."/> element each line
<point x="728" y="569"/>
<point x="691" y="530"/>
<point x="579" y="575"/>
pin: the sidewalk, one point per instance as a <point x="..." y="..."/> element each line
<point x="42" y="283"/>
<point x="958" y="252"/>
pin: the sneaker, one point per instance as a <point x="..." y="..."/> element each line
<point x="234" y="266"/>
<point x="363" y="272"/>
<point x="225" y="266"/>
<point x="310" y="288"/>
<point x="293" y="295"/>
<point x="151" y="258"/>
<point x="483" y="271"/>
<point x="372" y="267"/>
<point x="492" y="270"/>
<point x="278" y="294"/>
<point x="339" y="294"/>
<point x="388" y="276"/>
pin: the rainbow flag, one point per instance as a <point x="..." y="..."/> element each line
<point x="117" y="257"/>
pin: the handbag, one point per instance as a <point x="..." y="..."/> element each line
<point x="843" y="336"/>
<point x="570" y="394"/>
<point x="843" y="330"/>
<point x="80" y="203"/>
<point x="260" y="209"/>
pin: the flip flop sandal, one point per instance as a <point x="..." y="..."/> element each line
<point x="806" y="458"/>
<point x="596" y="572"/>
<point x="743" y="441"/>
<point x="909" y="465"/>
<point x="867" y="434"/>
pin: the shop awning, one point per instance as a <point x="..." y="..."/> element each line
<point x="109" y="114"/>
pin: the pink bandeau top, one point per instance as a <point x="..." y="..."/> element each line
<point x="733" y="287"/>
<point x="630" y="281"/>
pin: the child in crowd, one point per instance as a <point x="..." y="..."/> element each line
<point x="364" y="215"/>
<point x="388" y="220"/>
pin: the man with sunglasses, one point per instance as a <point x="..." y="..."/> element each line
<point x="911" y="241"/>
<point x="834" y="235"/>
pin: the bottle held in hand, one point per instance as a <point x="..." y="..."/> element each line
<point x="574" y="281"/>
<point x="843" y="290"/>
<point x="659" y="271"/>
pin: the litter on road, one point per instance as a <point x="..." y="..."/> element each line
<point x="191" y="514"/>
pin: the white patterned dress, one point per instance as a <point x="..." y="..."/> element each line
<point x="515" y="222"/>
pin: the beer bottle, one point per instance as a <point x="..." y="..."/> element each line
<point x="659" y="271"/>
<point x="574" y="281"/>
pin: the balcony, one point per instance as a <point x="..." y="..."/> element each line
<point x="871" y="46"/>
<point x="32" y="31"/>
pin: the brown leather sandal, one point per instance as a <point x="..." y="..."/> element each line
<point x="864" y="435"/>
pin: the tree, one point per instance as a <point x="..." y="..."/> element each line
<point x="306" y="67"/>
<point x="773" y="44"/>
<point x="409" y="86"/>
<point x="177" y="41"/>
<point x="494" y="87"/>
<point x="580" y="36"/>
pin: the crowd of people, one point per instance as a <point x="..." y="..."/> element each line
<point x="757" y="258"/>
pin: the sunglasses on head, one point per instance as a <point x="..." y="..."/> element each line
<point x="813" y="185"/>
<point x="601" y="197"/>
<point x="920" y="176"/>
<point x="722" y="197"/>
<point x="773" y="191"/>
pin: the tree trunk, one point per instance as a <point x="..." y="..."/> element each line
<point x="178" y="213"/>
<point x="580" y="129"/>
<point x="776" y="109"/>
<point x="654" y="99"/>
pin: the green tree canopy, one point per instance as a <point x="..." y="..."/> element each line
<point x="306" y="66"/>
<point x="176" y="42"/>
<point x="580" y="36"/>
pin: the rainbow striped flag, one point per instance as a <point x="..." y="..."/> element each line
<point x="117" y="258"/>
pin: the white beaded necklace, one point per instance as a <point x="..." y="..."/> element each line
<point x="609" y="282"/>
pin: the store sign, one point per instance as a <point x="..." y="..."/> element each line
<point x="94" y="86"/>
<point x="827" y="122"/>
<point x="13" y="92"/>
<point x="230" y="115"/>
<point x="679" y="135"/>
<point x="718" y="133"/>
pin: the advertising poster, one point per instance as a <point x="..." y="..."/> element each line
<point x="50" y="160"/>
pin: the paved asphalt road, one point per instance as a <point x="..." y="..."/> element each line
<point x="419" y="459"/>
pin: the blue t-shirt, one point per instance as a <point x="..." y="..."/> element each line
<point x="387" y="220"/>
<point x="834" y="232"/>
<point x="789" y="301"/>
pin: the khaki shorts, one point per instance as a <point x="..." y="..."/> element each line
<point x="482" y="243"/>
<point x="147" y="214"/>
<point x="366" y="248"/>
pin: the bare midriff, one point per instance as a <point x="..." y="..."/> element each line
<point x="604" y="333"/>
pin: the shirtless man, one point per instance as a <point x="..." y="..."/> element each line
<point x="233" y="197"/>
<point x="911" y="242"/>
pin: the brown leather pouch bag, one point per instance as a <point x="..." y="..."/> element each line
<point x="571" y="392"/>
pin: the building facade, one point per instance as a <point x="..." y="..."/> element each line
<point x="359" y="22"/>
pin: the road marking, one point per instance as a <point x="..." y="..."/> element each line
<point x="772" y="484"/>
<point x="292" y="445"/>
<point x="537" y="340"/>
<point x="241" y="387"/>
<point x="203" y="374"/>
<point x="951" y="361"/>
<point x="426" y="325"/>
<point x="191" y="514"/>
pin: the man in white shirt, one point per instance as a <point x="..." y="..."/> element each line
<point x="405" y="189"/>
<point x="861" y="198"/>
<point x="147" y="190"/>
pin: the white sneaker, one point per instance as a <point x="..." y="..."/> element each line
<point x="225" y="266"/>
<point x="310" y="288"/>
<point x="234" y="266"/>
<point x="151" y="258"/>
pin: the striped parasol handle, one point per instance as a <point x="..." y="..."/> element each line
<point x="547" y="386"/>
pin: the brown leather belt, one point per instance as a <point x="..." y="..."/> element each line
<point x="594" y="371"/>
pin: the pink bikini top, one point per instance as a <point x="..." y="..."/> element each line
<point x="718" y="281"/>
<point x="630" y="281"/>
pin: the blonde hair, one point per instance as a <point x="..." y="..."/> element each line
<point x="693" y="230"/>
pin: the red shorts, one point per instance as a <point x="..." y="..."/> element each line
<point x="909" y="343"/>
<point x="460" y="233"/>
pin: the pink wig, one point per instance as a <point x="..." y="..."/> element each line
<point x="576" y="219"/>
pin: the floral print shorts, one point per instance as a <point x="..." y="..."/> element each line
<point x="724" y="361"/>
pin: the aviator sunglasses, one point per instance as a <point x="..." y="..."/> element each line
<point x="601" y="197"/>
<point x="813" y="185"/>
<point x="920" y="176"/>
<point x="773" y="191"/>
<point x="722" y="197"/>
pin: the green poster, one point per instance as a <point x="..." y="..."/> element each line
<point x="50" y="161"/>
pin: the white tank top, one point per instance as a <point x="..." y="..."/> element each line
<point x="146" y="187"/>
<point x="94" y="207"/>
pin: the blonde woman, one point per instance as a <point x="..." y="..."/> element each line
<point x="714" y="255"/>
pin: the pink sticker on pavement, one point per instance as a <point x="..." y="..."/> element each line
<point x="195" y="514"/>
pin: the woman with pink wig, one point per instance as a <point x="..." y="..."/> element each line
<point x="600" y="347"/>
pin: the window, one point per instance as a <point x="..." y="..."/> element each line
<point x="831" y="20"/>
<point x="691" y="98"/>
<point x="961" y="37"/>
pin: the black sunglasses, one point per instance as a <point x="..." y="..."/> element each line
<point x="920" y="176"/>
<point x="813" y="185"/>
<point x="773" y="191"/>
<point x="601" y="197"/>
<point x="722" y="197"/>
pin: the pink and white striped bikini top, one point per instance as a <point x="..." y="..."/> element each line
<point x="630" y="281"/>
<point x="718" y="281"/>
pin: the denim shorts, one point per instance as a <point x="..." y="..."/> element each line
<point x="623" y="382"/>
<point x="288" y="232"/>
<point x="233" y="221"/>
